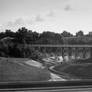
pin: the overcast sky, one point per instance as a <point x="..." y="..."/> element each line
<point x="46" y="15"/>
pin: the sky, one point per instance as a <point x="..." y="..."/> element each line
<point x="46" y="15"/>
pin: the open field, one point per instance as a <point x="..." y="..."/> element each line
<point x="79" y="71"/>
<point x="14" y="69"/>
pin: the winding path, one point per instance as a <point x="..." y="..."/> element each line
<point x="54" y="77"/>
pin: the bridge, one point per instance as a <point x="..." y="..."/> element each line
<point x="76" y="50"/>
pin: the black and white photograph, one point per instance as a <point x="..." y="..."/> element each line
<point x="45" y="45"/>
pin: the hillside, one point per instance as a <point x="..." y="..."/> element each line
<point x="12" y="71"/>
<point x="79" y="71"/>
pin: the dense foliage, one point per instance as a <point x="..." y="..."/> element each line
<point x="10" y="42"/>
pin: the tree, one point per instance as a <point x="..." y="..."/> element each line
<point x="66" y="34"/>
<point x="9" y="33"/>
<point x="80" y="33"/>
<point x="32" y="37"/>
<point x="21" y="35"/>
<point x="49" y="38"/>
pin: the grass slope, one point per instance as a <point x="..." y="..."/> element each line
<point x="11" y="71"/>
<point x="79" y="71"/>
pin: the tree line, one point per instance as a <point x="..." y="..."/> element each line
<point x="10" y="42"/>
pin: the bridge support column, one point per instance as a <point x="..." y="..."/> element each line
<point x="91" y="52"/>
<point x="76" y="53"/>
<point x="84" y="53"/>
<point x="69" y="52"/>
<point x="62" y="51"/>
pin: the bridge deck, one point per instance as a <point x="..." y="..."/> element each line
<point x="39" y="45"/>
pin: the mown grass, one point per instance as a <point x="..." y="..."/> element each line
<point x="12" y="70"/>
<point x="79" y="71"/>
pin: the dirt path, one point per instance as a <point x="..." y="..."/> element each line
<point x="54" y="77"/>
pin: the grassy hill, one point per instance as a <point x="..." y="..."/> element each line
<point x="77" y="71"/>
<point x="12" y="71"/>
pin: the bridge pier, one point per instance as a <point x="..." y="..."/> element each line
<point x="91" y="52"/>
<point x="73" y="53"/>
<point x="84" y="53"/>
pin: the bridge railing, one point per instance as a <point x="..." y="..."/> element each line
<point x="47" y="45"/>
